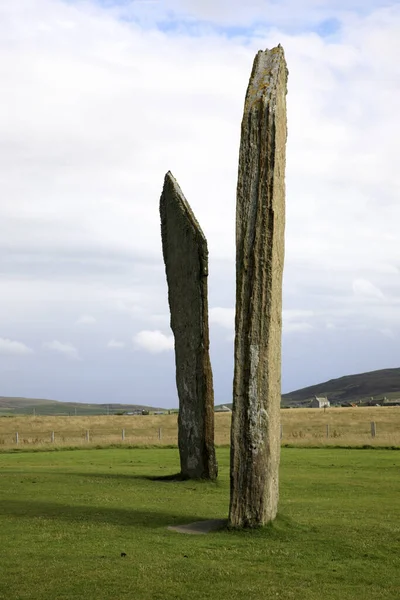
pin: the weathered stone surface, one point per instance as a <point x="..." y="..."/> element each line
<point x="260" y="224"/>
<point x="186" y="265"/>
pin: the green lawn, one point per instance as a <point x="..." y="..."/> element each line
<point x="66" y="517"/>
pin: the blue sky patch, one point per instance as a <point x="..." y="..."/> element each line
<point x="328" y="27"/>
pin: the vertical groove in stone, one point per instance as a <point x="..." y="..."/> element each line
<point x="260" y="225"/>
<point x="186" y="264"/>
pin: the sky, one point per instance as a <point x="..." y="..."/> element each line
<point x="99" y="99"/>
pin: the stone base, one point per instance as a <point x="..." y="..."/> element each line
<point x="200" y="527"/>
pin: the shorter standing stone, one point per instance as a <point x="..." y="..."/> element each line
<point x="186" y="265"/>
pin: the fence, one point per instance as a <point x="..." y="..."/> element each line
<point x="89" y="436"/>
<point x="328" y="431"/>
<point x="384" y="434"/>
<point x="323" y="434"/>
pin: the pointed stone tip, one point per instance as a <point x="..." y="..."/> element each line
<point x="268" y="67"/>
<point x="171" y="183"/>
<point x="275" y="50"/>
<point x="170" y="180"/>
<point x="169" y="177"/>
<point x="172" y="192"/>
<point x="274" y="53"/>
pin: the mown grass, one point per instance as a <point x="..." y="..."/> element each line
<point x="302" y="427"/>
<point x="66" y="517"/>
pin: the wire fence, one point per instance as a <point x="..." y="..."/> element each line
<point x="89" y="436"/>
<point x="370" y="433"/>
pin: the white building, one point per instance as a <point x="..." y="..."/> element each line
<point x="223" y="408"/>
<point x="319" y="402"/>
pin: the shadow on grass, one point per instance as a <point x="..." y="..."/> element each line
<point x="178" y="477"/>
<point x="132" y="517"/>
<point x="170" y="477"/>
<point x="282" y="529"/>
<point x="174" y="477"/>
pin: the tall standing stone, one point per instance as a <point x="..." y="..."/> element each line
<point x="186" y="265"/>
<point x="260" y="225"/>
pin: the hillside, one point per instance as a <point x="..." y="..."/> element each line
<point x="39" y="406"/>
<point x="351" y="388"/>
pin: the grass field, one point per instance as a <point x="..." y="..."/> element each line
<point x="66" y="518"/>
<point x="302" y="427"/>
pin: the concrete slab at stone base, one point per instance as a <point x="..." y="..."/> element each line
<point x="200" y="527"/>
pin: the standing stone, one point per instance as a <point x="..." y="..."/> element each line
<point x="186" y="265"/>
<point x="260" y="225"/>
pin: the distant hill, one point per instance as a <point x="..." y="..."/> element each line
<point x="39" y="406"/>
<point x="351" y="388"/>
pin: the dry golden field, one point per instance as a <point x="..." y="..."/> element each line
<point x="300" y="427"/>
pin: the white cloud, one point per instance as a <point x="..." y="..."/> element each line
<point x="115" y="344"/>
<point x="230" y="13"/>
<point x="12" y="347"/>
<point x="294" y="321"/>
<point x="387" y="332"/>
<point x="160" y="319"/>
<point x="86" y="97"/>
<point x="225" y="317"/>
<point x="301" y="327"/>
<point x="363" y="287"/>
<point x="154" y="341"/>
<point x="86" y="320"/>
<point x="93" y="69"/>
<point x="66" y="349"/>
<point x="290" y="315"/>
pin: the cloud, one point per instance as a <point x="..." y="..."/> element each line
<point x="387" y="332"/>
<point x="86" y="320"/>
<point x="89" y="91"/>
<point x="290" y="315"/>
<point x="160" y="319"/>
<point x="115" y="344"/>
<point x="225" y="317"/>
<point x="66" y="349"/>
<point x="94" y="79"/>
<point x="363" y="287"/>
<point x="234" y="16"/>
<point x="302" y="327"/>
<point x="13" y="348"/>
<point x="294" y="321"/>
<point x="154" y="341"/>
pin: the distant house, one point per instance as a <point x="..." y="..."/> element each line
<point x="387" y="402"/>
<point x="222" y="408"/>
<point x="319" y="402"/>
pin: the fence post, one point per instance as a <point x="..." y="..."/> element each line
<point x="123" y="434"/>
<point x="16" y="438"/>
<point x="159" y="434"/>
<point x="327" y="430"/>
<point x="373" y="429"/>
<point x="87" y="435"/>
<point x="281" y="431"/>
<point x="52" y="437"/>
